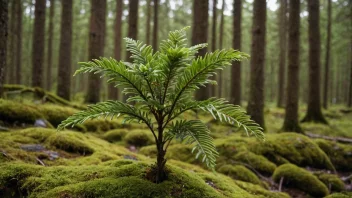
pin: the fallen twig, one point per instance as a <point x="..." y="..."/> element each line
<point x="337" y="139"/>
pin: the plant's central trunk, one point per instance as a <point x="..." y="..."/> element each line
<point x="160" y="163"/>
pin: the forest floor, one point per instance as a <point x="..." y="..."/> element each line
<point x="106" y="158"/>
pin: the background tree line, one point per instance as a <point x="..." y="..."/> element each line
<point x="300" y="50"/>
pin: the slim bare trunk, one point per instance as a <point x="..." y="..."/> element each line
<point x="38" y="43"/>
<point x="200" y="35"/>
<point x="213" y="42"/>
<point x="282" y="54"/>
<point x="3" y="41"/>
<point x="327" y="57"/>
<point x="314" y="113"/>
<point x="96" y="46"/>
<point x="236" y="44"/>
<point x="64" y="77"/>
<point x="156" y="25"/>
<point x="147" y="24"/>
<point x="132" y="26"/>
<point x="350" y="94"/>
<point x="221" y="37"/>
<point x="291" y="122"/>
<point x="256" y="94"/>
<point x="12" y="46"/>
<point x="113" y="91"/>
<point x="50" y="45"/>
<point x="19" y="42"/>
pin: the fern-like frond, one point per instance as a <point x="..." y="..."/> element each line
<point x="176" y="39"/>
<point x="141" y="53"/>
<point x="221" y="110"/>
<point x="108" y="109"/>
<point x="118" y="73"/>
<point x="194" y="132"/>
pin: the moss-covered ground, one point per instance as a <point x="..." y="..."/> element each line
<point x="108" y="158"/>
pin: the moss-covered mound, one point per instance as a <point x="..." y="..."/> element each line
<point x="139" y="138"/>
<point x="340" y="195"/>
<point x="332" y="182"/>
<point x="278" y="148"/>
<point x="301" y="179"/>
<point x="55" y="114"/>
<point x="258" y="162"/>
<point x="72" y="148"/>
<point x="116" y="179"/>
<point x="114" y="135"/>
<point x="13" y="112"/>
<point x="239" y="172"/>
<point x="339" y="154"/>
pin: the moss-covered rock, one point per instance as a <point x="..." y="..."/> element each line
<point x="149" y="151"/>
<point x="14" y="112"/>
<point x="258" y="191"/>
<point x="332" y="182"/>
<point x="301" y="179"/>
<point x="339" y="154"/>
<point x="55" y="114"/>
<point x="69" y="142"/>
<point x="103" y="125"/>
<point x="239" y="172"/>
<point x="182" y="152"/>
<point x="114" y="135"/>
<point x="258" y="162"/>
<point x="139" y="138"/>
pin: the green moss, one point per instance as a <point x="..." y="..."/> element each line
<point x="181" y="152"/>
<point x="69" y="142"/>
<point x="114" y="135"/>
<point x="102" y="125"/>
<point x="301" y="179"/>
<point x="126" y="179"/>
<point x="340" y="195"/>
<point x="333" y="182"/>
<point x="239" y="172"/>
<point x="258" y="191"/>
<point x="139" y="138"/>
<point x="149" y="151"/>
<point x="14" y="112"/>
<point x="55" y="114"/>
<point x="339" y="154"/>
<point x="258" y="162"/>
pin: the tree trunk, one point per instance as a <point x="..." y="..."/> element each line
<point x="96" y="46"/>
<point x="147" y="24"/>
<point x="282" y="54"/>
<point x="327" y="58"/>
<point x="236" y="44"/>
<point x="350" y="94"/>
<point x="50" y="45"/>
<point x="113" y="91"/>
<point x="314" y="113"/>
<point x="200" y="35"/>
<point x="12" y="47"/>
<point x="155" y="27"/>
<point x="291" y="122"/>
<point x="64" y="77"/>
<point x="3" y="41"/>
<point x="256" y="94"/>
<point x="19" y="42"/>
<point x="213" y="43"/>
<point x="221" y="37"/>
<point x="38" y="43"/>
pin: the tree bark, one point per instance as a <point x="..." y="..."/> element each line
<point x="96" y="46"/>
<point x="327" y="58"/>
<point x="350" y="94"/>
<point x="221" y="37"/>
<point x="200" y="35"/>
<point x="147" y="24"/>
<point x="19" y="42"/>
<point x="113" y="91"/>
<point x="50" y="45"/>
<point x="3" y="41"/>
<point x="282" y="54"/>
<point x="213" y="42"/>
<point x="38" y="43"/>
<point x="12" y="46"/>
<point x="314" y="113"/>
<point x="291" y="122"/>
<point x="236" y="44"/>
<point x="64" y="77"/>
<point x="256" y="94"/>
<point x="156" y="25"/>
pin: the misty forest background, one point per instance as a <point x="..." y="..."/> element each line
<point x="47" y="39"/>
